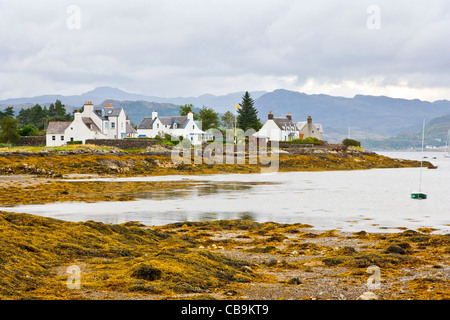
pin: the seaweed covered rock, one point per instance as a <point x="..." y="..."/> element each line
<point x="146" y="272"/>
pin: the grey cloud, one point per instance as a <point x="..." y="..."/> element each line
<point x="189" y="47"/>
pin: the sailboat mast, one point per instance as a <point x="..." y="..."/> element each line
<point x="421" y="157"/>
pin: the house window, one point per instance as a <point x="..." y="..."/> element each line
<point x="71" y="139"/>
<point x="157" y="125"/>
<point x="62" y="138"/>
<point x="193" y="127"/>
<point x="53" y="138"/>
<point x="107" y="125"/>
<point x="113" y="125"/>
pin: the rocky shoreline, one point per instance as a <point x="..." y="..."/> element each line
<point x="88" y="160"/>
<point x="237" y="259"/>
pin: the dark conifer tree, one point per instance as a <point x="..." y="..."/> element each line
<point x="247" y="114"/>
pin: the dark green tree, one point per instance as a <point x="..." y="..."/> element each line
<point x="40" y="116"/>
<point x="8" y="112"/>
<point x="60" y="111"/>
<point x="209" y="118"/>
<point x="247" y="114"/>
<point x="185" y="109"/>
<point x="29" y="130"/>
<point x="9" y="130"/>
<point x="24" y="116"/>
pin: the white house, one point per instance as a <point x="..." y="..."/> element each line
<point x="308" y="129"/>
<point x="278" y="129"/>
<point x="105" y="122"/>
<point x="180" y="126"/>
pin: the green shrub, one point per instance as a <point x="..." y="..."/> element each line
<point x="351" y="142"/>
<point x="74" y="142"/>
<point x="29" y="130"/>
<point x="308" y="140"/>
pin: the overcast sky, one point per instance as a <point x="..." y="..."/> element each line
<point x="190" y="47"/>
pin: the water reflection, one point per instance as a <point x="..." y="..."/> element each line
<point x="194" y="189"/>
<point x="371" y="200"/>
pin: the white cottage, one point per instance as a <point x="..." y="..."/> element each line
<point x="105" y="122"/>
<point x="278" y="129"/>
<point x="309" y="129"/>
<point x="179" y="126"/>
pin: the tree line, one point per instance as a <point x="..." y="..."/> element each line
<point x="31" y="121"/>
<point x="247" y="116"/>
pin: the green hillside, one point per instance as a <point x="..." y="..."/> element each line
<point x="436" y="135"/>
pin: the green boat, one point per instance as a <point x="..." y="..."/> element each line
<point x="418" y="195"/>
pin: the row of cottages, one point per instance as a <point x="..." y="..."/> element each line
<point x="285" y="129"/>
<point x="105" y="122"/>
<point x="180" y="126"/>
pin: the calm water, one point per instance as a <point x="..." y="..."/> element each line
<point x="372" y="200"/>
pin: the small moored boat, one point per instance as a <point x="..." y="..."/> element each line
<point x="418" y="195"/>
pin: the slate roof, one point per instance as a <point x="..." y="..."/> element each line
<point x="108" y="112"/>
<point x="90" y="124"/>
<point x="181" y="121"/>
<point x="282" y="123"/>
<point x="130" y="129"/>
<point x="57" y="127"/>
<point x="146" y="123"/>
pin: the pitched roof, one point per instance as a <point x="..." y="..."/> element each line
<point x="146" y="123"/>
<point x="302" y="124"/>
<point x="57" y="127"/>
<point x="181" y="121"/>
<point x="283" y="122"/>
<point x="130" y="129"/>
<point x="90" y="124"/>
<point x="103" y="113"/>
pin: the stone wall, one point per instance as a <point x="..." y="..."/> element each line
<point x="124" y="143"/>
<point x="37" y="141"/>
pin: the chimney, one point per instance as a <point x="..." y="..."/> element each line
<point x="270" y="115"/>
<point x="77" y="115"/>
<point x="154" y="115"/>
<point x="309" y="119"/>
<point x="88" y="108"/>
<point x="288" y="116"/>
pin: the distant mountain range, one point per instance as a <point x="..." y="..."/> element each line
<point x="360" y="117"/>
<point x="437" y="132"/>
<point x="100" y="94"/>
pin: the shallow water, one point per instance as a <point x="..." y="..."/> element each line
<point x="376" y="200"/>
